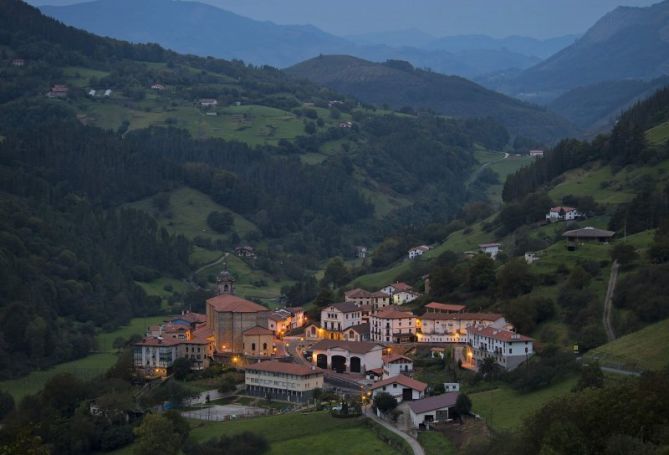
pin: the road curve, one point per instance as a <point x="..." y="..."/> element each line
<point x="608" y="302"/>
<point x="415" y="446"/>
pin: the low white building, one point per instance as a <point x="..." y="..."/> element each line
<point x="439" y="408"/>
<point x="208" y="102"/>
<point x="418" y="251"/>
<point x="282" y="381"/>
<point x="403" y="388"/>
<point x="537" y="153"/>
<point x="452" y="386"/>
<point x="392" y="325"/>
<point x="491" y="249"/>
<point x="340" y="316"/>
<point x="509" y="349"/>
<point x="556" y="214"/>
<point x="347" y="356"/>
<point x="396" y="364"/>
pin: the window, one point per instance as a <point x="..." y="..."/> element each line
<point x="264" y="346"/>
<point x="253" y="346"/>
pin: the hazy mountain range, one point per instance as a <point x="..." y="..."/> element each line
<point x="201" y="29"/>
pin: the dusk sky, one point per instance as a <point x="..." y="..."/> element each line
<point x="537" y="18"/>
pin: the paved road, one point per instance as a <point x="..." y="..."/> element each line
<point x="622" y="372"/>
<point x="415" y="446"/>
<point x="608" y="302"/>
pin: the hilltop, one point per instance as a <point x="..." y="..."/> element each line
<point x="399" y="85"/>
<point x="627" y="43"/>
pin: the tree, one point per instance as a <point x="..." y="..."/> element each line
<point x="591" y="377"/>
<point x="481" y="276"/>
<point x="157" y="434"/>
<point x="220" y="222"/>
<point x="515" y="278"/>
<point x="180" y="424"/>
<point x="489" y="368"/>
<point x="625" y="254"/>
<point x="336" y="273"/>
<point x="181" y="368"/>
<point x="463" y="405"/>
<point x="385" y="402"/>
<point x="6" y="404"/>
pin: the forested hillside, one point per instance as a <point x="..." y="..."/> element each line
<point x="71" y="166"/>
<point x="399" y="85"/>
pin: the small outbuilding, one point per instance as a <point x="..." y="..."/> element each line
<point x="589" y="234"/>
<point x="439" y="408"/>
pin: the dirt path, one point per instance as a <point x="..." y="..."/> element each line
<point x="608" y="301"/>
<point x="476" y="173"/>
<point x="415" y="446"/>
<point x="191" y="277"/>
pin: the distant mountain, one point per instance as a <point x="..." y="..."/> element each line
<point x="522" y="45"/>
<point x="204" y="30"/>
<point x="200" y="29"/>
<point x="398" y="84"/>
<point x="596" y="107"/>
<point x="627" y="43"/>
<point x="395" y="38"/>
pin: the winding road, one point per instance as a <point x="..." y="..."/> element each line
<point x="191" y="277"/>
<point x="608" y="301"/>
<point x="415" y="446"/>
<point x="476" y="174"/>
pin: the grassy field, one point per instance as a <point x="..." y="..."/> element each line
<point x="505" y="409"/>
<point x="289" y="434"/>
<point x="646" y="349"/>
<point x="85" y="368"/>
<point x="435" y="443"/>
<point x="189" y="209"/>
<point x="659" y="135"/>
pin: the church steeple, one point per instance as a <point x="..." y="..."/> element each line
<point x="225" y="282"/>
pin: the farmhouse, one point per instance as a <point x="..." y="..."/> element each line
<point x="18" y="62"/>
<point x="58" y="91"/>
<point x="347" y="356"/>
<point x="589" y="234"/>
<point x="282" y="381"/>
<point x="340" y="316"/>
<point x="395" y="364"/>
<point x="418" y="251"/>
<point x="159" y="87"/>
<point x="245" y="251"/>
<point x="392" y="325"/>
<point x="403" y="388"/>
<point x="536" y="153"/>
<point x="556" y="214"/>
<point x="208" y="102"/>
<point x="361" y="252"/>
<point x="439" y="408"/>
<point x="509" y="349"/>
<point x="491" y="249"/>
<point x="436" y="307"/>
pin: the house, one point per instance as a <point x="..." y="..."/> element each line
<point x="92" y="92"/>
<point x="346" y="125"/>
<point x="491" y="249"/>
<point x="58" y="91"/>
<point x="258" y="342"/>
<point x="282" y="381"/>
<point x="357" y="333"/>
<point x="245" y="251"/>
<point x="531" y="257"/>
<point x="589" y="234"/>
<point x="360" y="297"/>
<point x="438" y="408"/>
<point x="400" y="293"/>
<point x="208" y="102"/>
<point x="298" y="318"/>
<point x="537" y="153"/>
<point x="347" y="356"/>
<point x="361" y="252"/>
<point x="395" y="364"/>
<point x="159" y="87"/>
<point x="340" y="316"/>
<point x="392" y="325"/>
<point x="283" y="320"/>
<point x="507" y="348"/>
<point x="403" y="388"/>
<point x="556" y="214"/>
<point x="418" y="251"/>
<point x="435" y="327"/>
<point x="436" y="307"/>
<point x="18" y="62"/>
<point x="107" y="93"/>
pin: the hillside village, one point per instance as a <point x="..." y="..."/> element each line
<point x="204" y="256"/>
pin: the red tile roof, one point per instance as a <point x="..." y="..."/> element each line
<point x="492" y="317"/>
<point x="155" y="341"/>
<point x="393" y="313"/>
<point x="257" y="330"/>
<point x="285" y="368"/>
<point x="191" y="317"/>
<point x="346" y="307"/>
<point x="400" y="379"/>
<point x="358" y="347"/>
<point x="232" y="304"/>
<point x="401" y="286"/>
<point x="566" y="209"/>
<point x="357" y="294"/>
<point x="445" y="307"/>
<point x="486" y="245"/>
<point x="395" y="357"/>
<point x="497" y="334"/>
